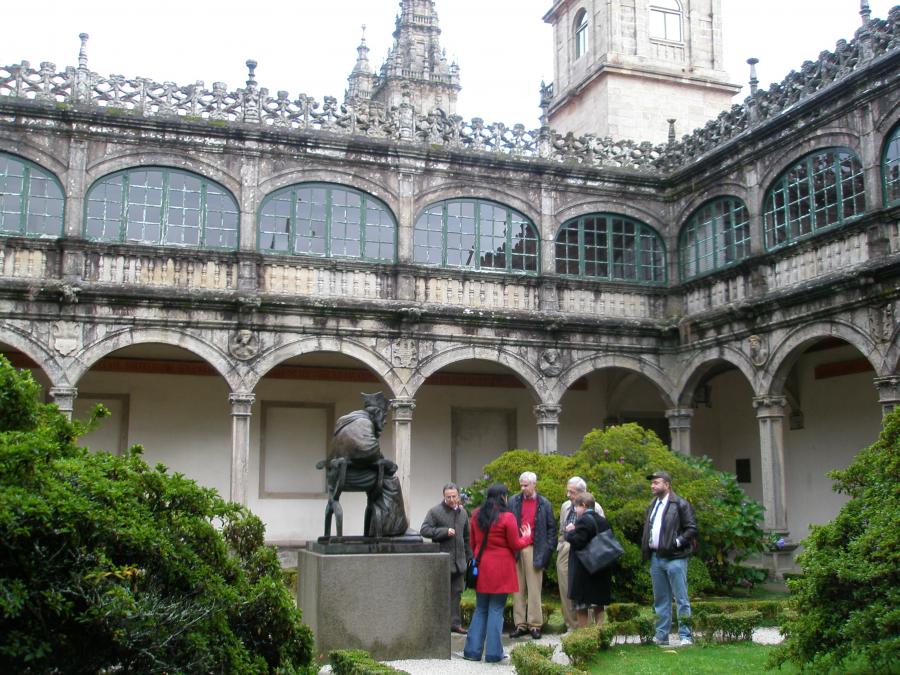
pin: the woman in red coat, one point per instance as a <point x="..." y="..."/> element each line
<point x="496" y="573"/>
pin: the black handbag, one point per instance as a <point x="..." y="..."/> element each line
<point x="472" y="565"/>
<point x="601" y="552"/>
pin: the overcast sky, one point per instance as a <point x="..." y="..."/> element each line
<point x="503" y="47"/>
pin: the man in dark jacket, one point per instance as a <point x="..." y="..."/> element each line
<point x="530" y="507"/>
<point x="447" y="524"/>
<point x="670" y="530"/>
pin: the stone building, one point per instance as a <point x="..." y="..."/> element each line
<point x="227" y="270"/>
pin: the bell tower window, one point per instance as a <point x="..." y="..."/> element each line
<point x="665" y="20"/>
<point x="581" y="34"/>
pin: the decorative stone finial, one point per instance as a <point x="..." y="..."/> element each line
<point x="546" y="97"/>
<point x="251" y="76"/>
<point x="82" y="52"/>
<point x="754" y="81"/>
<point x="671" y="130"/>
<point x="864" y="11"/>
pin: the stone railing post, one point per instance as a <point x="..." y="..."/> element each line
<point x="241" y="404"/>
<point x="403" y="414"/>
<point x="680" y="429"/>
<point x="770" y="413"/>
<point x="888" y="389"/>
<point x="64" y="398"/>
<point x="548" y="427"/>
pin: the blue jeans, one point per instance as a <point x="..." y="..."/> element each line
<point x="486" y="628"/>
<point x="670" y="579"/>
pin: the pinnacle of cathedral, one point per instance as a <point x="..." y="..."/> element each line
<point x="416" y="68"/>
<point x="361" y="77"/>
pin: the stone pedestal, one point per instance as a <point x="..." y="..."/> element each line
<point x="395" y="605"/>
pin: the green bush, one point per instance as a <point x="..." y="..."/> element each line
<point x="847" y="601"/>
<point x="728" y="627"/>
<point x="582" y="644"/>
<point x="108" y="565"/>
<point x="622" y="611"/>
<point x="357" y="662"/>
<point x="615" y="463"/>
<point x="532" y="659"/>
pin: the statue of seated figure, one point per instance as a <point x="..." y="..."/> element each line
<point x="355" y="464"/>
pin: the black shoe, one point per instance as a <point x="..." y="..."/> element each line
<point x="535" y="633"/>
<point x="519" y="632"/>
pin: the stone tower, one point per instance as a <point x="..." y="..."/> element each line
<point x="623" y="68"/>
<point x="415" y="64"/>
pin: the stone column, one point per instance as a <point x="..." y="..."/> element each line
<point x="888" y="389"/>
<point x="680" y="429"/>
<point x="770" y="413"/>
<point x="403" y="413"/>
<point x="64" y="398"/>
<point x="548" y="427"/>
<point x="241" y="404"/>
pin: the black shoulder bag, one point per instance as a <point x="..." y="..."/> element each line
<point x="472" y="565"/>
<point x="601" y="552"/>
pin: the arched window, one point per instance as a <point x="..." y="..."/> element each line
<point x="822" y="189"/>
<point x="476" y="234"/>
<point x="665" y="20"/>
<point x="612" y="247"/>
<point x="161" y="206"/>
<point x="581" y="33"/>
<point x="327" y="220"/>
<point x="890" y="168"/>
<point x="31" y="199"/>
<point x="715" y="236"/>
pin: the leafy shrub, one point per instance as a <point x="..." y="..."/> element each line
<point x="622" y="611"/>
<point x="108" y="565"/>
<point x="728" y="627"/>
<point x="615" y="463"/>
<point x="847" y="601"/>
<point x="532" y="659"/>
<point x="582" y="644"/>
<point x="357" y="662"/>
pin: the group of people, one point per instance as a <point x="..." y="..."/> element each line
<point x="512" y="540"/>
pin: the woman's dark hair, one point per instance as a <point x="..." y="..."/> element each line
<point x="494" y="505"/>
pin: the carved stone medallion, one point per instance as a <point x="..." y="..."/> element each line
<point x="243" y="344"/>
<point x="66" y="337"/>
<point x="550" y="364"/>
<point x="759" y="351"/>
<point x="404" y="352"/>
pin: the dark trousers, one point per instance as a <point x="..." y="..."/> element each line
<point x="457" y="584"/>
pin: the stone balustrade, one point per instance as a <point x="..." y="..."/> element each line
<point x="161" y="269"/>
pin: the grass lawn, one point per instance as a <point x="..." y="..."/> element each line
<point x="739" y="657"/>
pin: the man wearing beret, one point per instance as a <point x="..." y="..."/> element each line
<point x="670" y="530"/>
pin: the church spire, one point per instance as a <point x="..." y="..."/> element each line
<point x="416" y="63"/>
<point x="361" y="78"/>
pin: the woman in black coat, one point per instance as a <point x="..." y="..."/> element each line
<point x="587" y="590"/>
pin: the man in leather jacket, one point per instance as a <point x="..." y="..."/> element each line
<point x="670" y="531"/>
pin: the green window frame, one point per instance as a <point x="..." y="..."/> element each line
<point x="329" y="221"/>
<point x="476" y="234"/>
<point x="162" y="207"/>
<point x="32" y="202"/>
<point x="611" y="247"/>
<point x="824" y="189"/>
<point x="890" y="169"/>
<point x="716" y="236"/>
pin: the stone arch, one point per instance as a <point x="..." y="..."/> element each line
<point x="773" y="165"/>
<point x="306" y="345"/>
<point x="886" y="123"/>
<point x="731" y="189"/>
<point x="25" y="341"/>
<point x="298" y="175"/>
<point x="700" y="363"/>
<point x="26" y="149"/>
<point x="586" y="365"/>
<point x="613" y="206"/>
<point x="176" y="159"/>
<point x="126" y="337"/>
<point x="462" y="190"/>
<point x="788" y="351"/>
<point x="522" y="368"/>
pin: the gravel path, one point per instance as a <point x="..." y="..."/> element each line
<point x="457" y="665"/>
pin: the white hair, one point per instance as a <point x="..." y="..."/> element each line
<point x="578" y="482"/>
<point x="529" y="476"/>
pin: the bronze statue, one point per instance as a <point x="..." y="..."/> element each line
<point x="355" y="464"/>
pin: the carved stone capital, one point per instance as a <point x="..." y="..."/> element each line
<point x="888" y="388"/>
<point x="769" y="406"/>
<point x="403" y="409"/>
<point x="679" y="418"/>
<point x="64" y="397"/>
<point x="547" y="414"/>
<point x="241" y="403"/>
